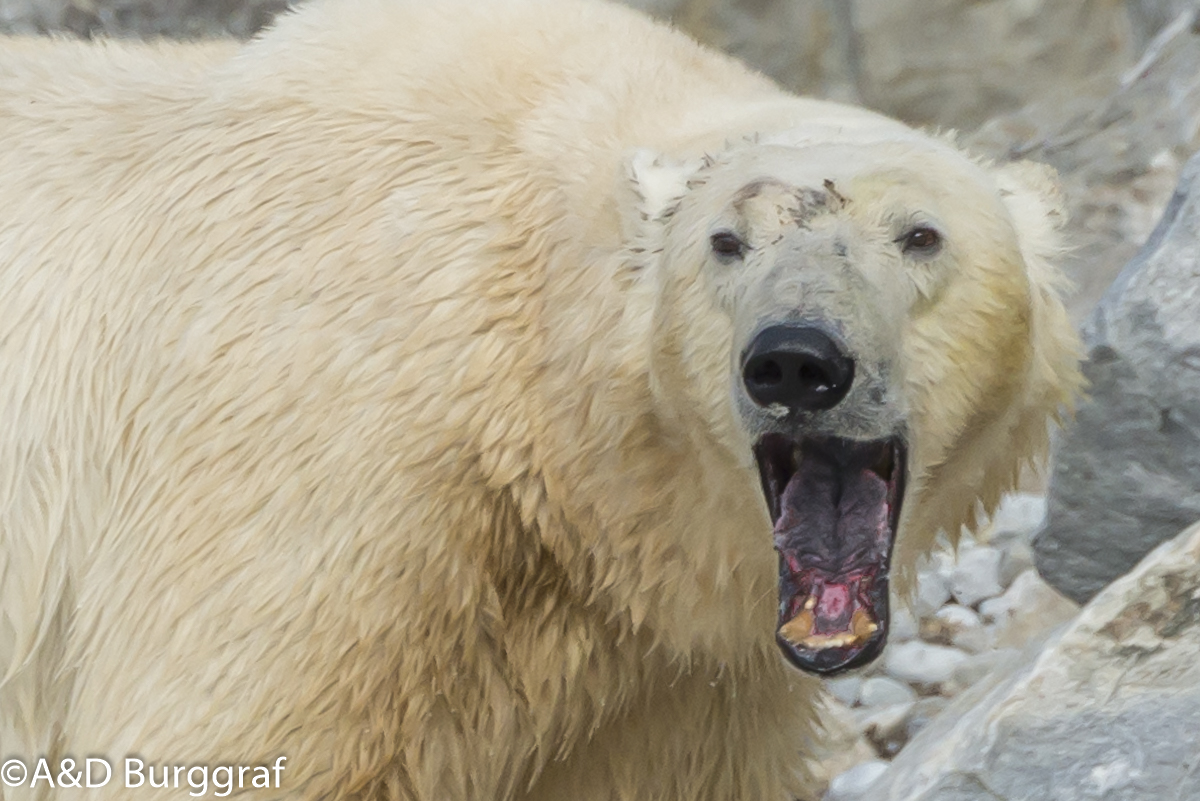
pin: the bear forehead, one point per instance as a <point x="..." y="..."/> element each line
<point x="821" y="174"/>
<point x="773" y="202"/>
<point x="783" y="185"/>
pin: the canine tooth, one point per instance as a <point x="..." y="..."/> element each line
<point x="799" y="628"/>
<point x="811" y="603"/>
<point x="862" y="625"/>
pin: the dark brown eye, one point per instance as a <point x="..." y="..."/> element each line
<point x="923" y="241"/>
<point x="727" y="245"/>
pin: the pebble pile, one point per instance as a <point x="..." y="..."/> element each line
<point x="975" y="611"/>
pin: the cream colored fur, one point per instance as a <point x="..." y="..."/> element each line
<point x="356" y="403"/>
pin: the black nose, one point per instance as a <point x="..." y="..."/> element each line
<point x="799" y="366"/>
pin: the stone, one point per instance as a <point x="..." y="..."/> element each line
<point x="143" y="18"/>
<point x="885" y="728"/>
<point x="1015" y="558"/>
<point x="851" y="785"/>
<point x="921" y="663"/>
<point x="977" y="576"/>
<point x="879" y="691"/>
<point x="1127" y="476"/>
<point x="903" y="625"/>
<point x="845" y="688"/>
<point x="1018" y="518"/>
<point x="1118" y="149"/>
<point x="952" y="63"/>
<point x="933" y="584"/>
<point x="959" y="626"/>
<point x="1027" y="613"/>
<point x="1148" y="17"/>
<point x="960" y="62"/>
<point x="806" y="45"/>
<point x="923" y="712"/>
<point x="979" y="666"/>
<point x="1108" y="709"/>
<point x="840" y="745"/>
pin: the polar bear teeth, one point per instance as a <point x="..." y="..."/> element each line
<point x="799" y="630"/>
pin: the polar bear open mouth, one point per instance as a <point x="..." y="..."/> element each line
<point x="836" y="505"/>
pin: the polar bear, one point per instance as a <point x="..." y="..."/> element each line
<point x="459" y="400"/>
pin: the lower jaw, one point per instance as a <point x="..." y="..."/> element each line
<point x="831" y="660"/>
<point x="827" y="653"/>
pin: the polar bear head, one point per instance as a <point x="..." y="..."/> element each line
<point x="873" y="329"/>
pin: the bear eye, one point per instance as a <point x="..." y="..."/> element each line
<point x="727" y="245"/>
<point x="922" y="240"/>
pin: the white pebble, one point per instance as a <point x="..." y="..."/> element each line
<point x="1028" y="612"/>
<point x="845" y="689"/>
<point x="1016" y="559"/>
<point x="956" y="616"/>
<point x="1019" y="517"/>
<point x="940" y="560"/>
<point x="1025" y="593"/>
<point x="922" y="663"/>
<point x="962" y="627"/>
<point x="850" y="786"/>
<point x="885" y="728"/>
<point x="881" y="691"/>
<point x="902" y="625"/>
<point x="977" y="576"/>
<point x="933" y="590"/>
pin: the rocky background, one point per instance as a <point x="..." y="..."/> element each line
<point x="999" y="685"/>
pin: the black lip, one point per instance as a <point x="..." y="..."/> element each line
<point x="776" y="457"/>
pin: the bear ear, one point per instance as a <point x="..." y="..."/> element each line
<point x="1034" y="199"/>
<point x="656" y="183"/>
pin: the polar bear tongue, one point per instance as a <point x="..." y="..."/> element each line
<point x="834" y="537"/>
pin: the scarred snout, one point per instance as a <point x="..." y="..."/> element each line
<point x="798" y="366"/>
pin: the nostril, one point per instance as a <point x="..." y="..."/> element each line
<point x="766" y="373"/>
<point x="813" y="376"/>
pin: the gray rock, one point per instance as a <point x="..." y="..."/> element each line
<point x="978" y="667"/>
<point x="806" y="45"/>
<point x="1107" y="710"/>
<point x="924" y="712"/>
<point x="1148" y="17"/>
<point x="1118" y="151"/>
<point x="1127" y="475"/>
<point x="950" y="62"/>
<point x="959" y="62"/>
<point x="144" y="18"/>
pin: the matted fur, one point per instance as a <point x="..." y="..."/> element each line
<point x="340" y="416"/>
